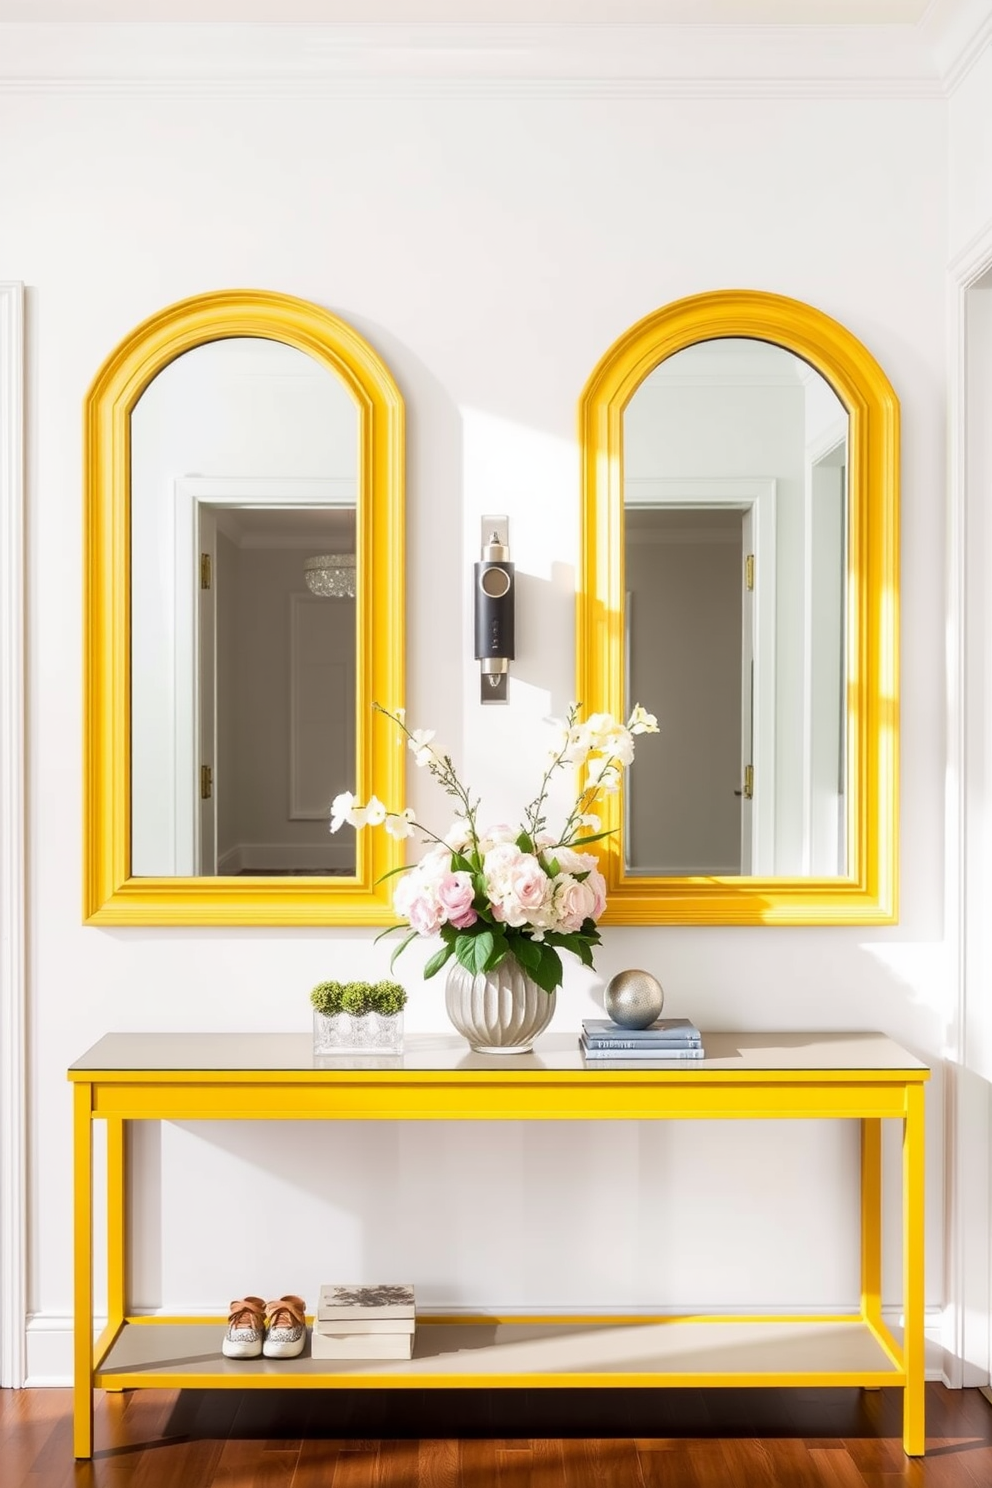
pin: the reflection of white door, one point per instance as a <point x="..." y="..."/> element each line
<point x="207" y="784"/>
<point x="322" y="708"/>
<point x="753" y="720"/>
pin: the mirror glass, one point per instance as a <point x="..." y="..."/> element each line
<point x="244" y="469"/>
<point x="735" y="518"/>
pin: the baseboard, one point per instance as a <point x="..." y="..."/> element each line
<point x="49" y="1335"/>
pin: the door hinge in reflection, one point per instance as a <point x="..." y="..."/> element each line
<point x="204" y="570"/>
<point x="206" y="782"/>
<point x="749" y="571"/>
<point x="748" y="782"/>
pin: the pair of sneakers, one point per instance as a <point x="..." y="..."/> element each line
<point x="276" y="1329"/>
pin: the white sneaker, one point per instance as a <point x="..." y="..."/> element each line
<point x="285" y="1328"/>
<point x="245" y="1329"/>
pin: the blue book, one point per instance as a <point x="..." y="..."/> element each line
<point x="645" y="1044"/>
<point x="650" y="1055"/>
<point x="664" y="1030"/>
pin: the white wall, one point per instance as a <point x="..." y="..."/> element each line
<point x="491" y="245"/>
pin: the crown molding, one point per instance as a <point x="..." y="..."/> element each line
<point x="956" y="33"/>
<point x="631" y="61"/>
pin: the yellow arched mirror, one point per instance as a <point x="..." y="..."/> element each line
<point x="244" y="607"/>
<point x="739" y="578"/>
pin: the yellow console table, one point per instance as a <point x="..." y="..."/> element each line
<point x="224" y="1077"/>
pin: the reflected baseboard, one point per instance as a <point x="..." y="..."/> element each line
<point x="293" y="873"/>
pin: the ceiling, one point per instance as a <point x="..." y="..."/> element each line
<point x="484" y="12"/>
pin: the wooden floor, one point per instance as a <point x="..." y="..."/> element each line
<point x="507" y="1439"/>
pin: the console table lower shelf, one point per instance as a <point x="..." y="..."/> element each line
<point x="862" y="1077"/>
<point x="527" y="1352"/>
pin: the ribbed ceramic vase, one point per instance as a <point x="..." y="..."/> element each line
<point x="500" y="1011"/>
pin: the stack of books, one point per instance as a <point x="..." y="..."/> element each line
<point x="364" y="1322"/>
<point x="670" y="1039"/>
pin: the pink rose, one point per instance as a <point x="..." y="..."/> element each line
<point x="455" y="894"/>
<point x="529" y="884"/>
<point x="425" y="915"/>
<point x="574" y="902"/>
<point x="597" y="883"/>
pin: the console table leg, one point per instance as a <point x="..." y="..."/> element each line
<point x="913" y="1427"/>
<point x="82" y="1393"/>
<point x="116" y="1223"/>
<point x="871" y="1218"/>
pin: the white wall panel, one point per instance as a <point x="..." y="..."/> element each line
<point x="491" y="250"/>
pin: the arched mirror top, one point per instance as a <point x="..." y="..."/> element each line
<point x="349" y="507"/>
<point x="780" y="806"/>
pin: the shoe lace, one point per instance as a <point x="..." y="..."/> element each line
<point x="247" y="1312"/>
<point x="287" y="1312"/>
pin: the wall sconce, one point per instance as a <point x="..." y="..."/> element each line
<point x="494" y="595"/>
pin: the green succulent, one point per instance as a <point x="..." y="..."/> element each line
<point x="358" y="998"/>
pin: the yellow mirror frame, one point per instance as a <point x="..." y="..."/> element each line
<point x="868" y="894"/>
<point x="111" y="895"/>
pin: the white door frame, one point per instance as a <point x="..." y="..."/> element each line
<point x="757" y="494"/>
<point x="13" y="1074"/>
<point x="968" y="1104"/>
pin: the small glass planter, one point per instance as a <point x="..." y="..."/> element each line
<point x="351" y="1033"/>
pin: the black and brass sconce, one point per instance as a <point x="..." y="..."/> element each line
<point x="494" y="594"/>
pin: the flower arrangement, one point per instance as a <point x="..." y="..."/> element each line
<point x="501" y="890"/>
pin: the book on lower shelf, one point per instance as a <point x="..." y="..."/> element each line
<point x="361" y="1321"/>
<point x="324" y="1345"/>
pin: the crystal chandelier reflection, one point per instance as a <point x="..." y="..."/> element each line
<point x="331" y="575"/>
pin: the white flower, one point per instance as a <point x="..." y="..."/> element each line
<point x="341" y="809"/>
<point x="590" y="820"/>
<point x="618" y="746"/>
<point x="603" y="776"/>
<point x="570" y="861"/>
<point x="375" y="812"/>
<point x="420" y="741"/>
<point x="458" y="836"/>
<point x="642" y="722"/>
<point x="400" y="823"/>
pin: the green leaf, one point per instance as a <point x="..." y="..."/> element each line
<point x="552" y="868"/>
<point x="525" y="842"/>
<point x="403" y="868"/>
<point x="499" y="953"/>
<point x="596" y="837"/>
<point x="548" y="972"/>
<point x="474" y="951"/>
<point x="389" y="930"/>
<point x="461" y="864"/>
<point x="401" y="947"/>
<point x="438" y="960"/>
<point x="527" y="951"/>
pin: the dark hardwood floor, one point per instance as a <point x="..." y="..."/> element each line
<point x="507" y="1439"/>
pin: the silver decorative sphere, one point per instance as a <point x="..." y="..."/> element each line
<point x="634" y="999"/>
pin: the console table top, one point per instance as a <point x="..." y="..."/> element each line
<point x="731" y="1054"/>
